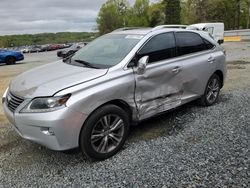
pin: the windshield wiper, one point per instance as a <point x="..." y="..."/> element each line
<point x="85" y="63"/>
<point x="68" y="58"/>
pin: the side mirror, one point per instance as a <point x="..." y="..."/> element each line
<point x="142" y="64"/>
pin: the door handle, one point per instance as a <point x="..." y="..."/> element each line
<point x="176" y="70"/>
<point x="210" y="59"/>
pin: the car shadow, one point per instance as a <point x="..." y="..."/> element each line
<point x="167" y="123"/>
<point x="19" y="63"/>
<point x="171" y="122"/>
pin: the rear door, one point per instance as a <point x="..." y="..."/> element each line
<point x="195" y="54"/>
<point x="160" y="87"/>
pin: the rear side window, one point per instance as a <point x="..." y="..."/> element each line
<point x="208" y="44"/>
<point x="188" y="43"/>
<point x="159" y="48"/>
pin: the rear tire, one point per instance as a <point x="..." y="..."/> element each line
<point x="212" y="91"/>
<point x="59" y="54"/>
<point x="10" y="60"/>
<point x="104" y="133"/>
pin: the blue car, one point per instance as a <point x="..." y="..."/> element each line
<point x="10" y="57"/>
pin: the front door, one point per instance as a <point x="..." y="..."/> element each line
<point x="160" y="87"/>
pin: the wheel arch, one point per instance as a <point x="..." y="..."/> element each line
<point x="221" y="76"/>
<point x="9" y="56"/>
<point x="117" y="102"/>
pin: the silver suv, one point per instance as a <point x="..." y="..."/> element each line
<point x="89" y="100"/>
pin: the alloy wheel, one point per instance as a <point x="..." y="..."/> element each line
<point x="107" y="133"/>
<point x="213" y="90"/>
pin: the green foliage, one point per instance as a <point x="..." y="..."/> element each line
<point x="139" y="16"/>
<point x="172" y="11"/>
<point x="234" y="13"/>
<point x="188" y="12"/>
<point x="112" y="15"/>
<point x="45" y="38"/>
<point x="156" y="14"/>
<point x="118" y="13"/>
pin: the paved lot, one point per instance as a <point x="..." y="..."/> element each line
<point x="189" y="147"/>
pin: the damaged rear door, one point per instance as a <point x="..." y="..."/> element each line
<point x="160" y="87"/>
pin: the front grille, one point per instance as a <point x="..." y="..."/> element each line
<point x="13" y="101"/>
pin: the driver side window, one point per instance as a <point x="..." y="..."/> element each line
<point x="159" y="48"/>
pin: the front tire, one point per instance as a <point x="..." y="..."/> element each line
<point x="212" y="91"/>
<point x="10" y="60"/>
<point x="104" y="132"/>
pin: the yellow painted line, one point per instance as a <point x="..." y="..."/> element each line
<point x="232" y="39"/>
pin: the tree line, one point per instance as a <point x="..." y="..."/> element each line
<point x="120" y="13"/>
<point x="44" y="38"/>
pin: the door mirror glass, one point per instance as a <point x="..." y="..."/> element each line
<point x="142" y="64"/>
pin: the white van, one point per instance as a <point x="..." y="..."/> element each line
<point x="215" y="29"/>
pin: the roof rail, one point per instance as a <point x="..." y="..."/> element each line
<point x="129" y="28"/>
<point x="169" y="26"/>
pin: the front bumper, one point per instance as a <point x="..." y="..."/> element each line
<point x="20" y="58"/>
<point x="65" y="123"/>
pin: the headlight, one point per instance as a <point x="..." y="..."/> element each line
<point x="5" y="95"/>
<point x="47" y="104"/>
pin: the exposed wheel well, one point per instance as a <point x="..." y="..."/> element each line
<point x="220" y="74"/>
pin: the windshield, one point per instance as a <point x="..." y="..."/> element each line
<point x="73" y="46"/>
<point x="107" y="51"/>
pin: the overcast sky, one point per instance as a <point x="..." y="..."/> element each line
<point x="38" y="16"/>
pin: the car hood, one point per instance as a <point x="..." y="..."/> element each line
<point x="51" y="78"/>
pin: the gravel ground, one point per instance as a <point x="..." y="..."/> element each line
<point x="237" y="51"/>
<point x="204" y="147"/>
<point x="192" y="146"/>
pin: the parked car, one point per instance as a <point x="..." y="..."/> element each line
<point x="69" y="51"/>
<point x="53" y="47"/>
<point x="91" y="99"/>
<point x="216" y="30"/>
<point x="44" y="47"/>
<point x="35" y="49"/>
<point x="10" y="57"/>
<point x="25" y="49"/>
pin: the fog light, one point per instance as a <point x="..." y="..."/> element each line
<point x="47" y="131"/>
